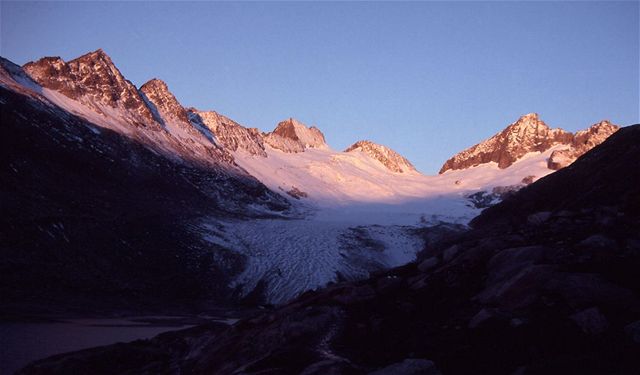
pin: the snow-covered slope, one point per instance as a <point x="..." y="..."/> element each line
<point x="389" y="158"/>
<point x="331" y="178"/>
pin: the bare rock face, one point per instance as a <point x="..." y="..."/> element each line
<point x="173" y="117"/>
<point x="293" y="136"/>
<point x="91" y="79"/>
<point x="583" y="141"/>
<point x="229" y="134"/>
<point x="389" y="158"/>
<point x="162" y="101"/>
<point x="528" y="134"/>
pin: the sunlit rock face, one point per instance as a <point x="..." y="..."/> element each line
<point x="583" y="141"/>
<point x="530" y="134"/>
<point x="229" y="134"/>
<point x="93" y="80"/>
<point x="164" y="102"/>
<point x="293" y="136"/>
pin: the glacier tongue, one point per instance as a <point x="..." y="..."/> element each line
<point x="287" y="257"/>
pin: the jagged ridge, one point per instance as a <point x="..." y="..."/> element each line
<point x="528" y="134"/>
<point x="229" y="133"/>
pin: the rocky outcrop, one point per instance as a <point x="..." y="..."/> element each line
<point x="151" y="115"/>
<point x="389" y="158"/>
<point x="93" y="80"/>
<point x="293" y="136"/>
<point x="162" y="102"/>
<point x="583" y="141"/>
<point x="228" y="133"/>
<point x="530" y="134"/>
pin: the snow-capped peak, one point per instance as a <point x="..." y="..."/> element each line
<point x="293" y="136"/>
<point x="529" y="134"/>
<point x="389" y="158"/>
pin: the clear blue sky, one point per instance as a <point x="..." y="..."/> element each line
<point x="427" y="79"/>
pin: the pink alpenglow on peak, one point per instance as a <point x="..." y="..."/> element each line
<point x="529" y="134"/>
<point x="293" y="136"/>
<point x="163" y="101"/>
<point x="583" y="141"/>
<point x="91" y="79"/>
<point x="229" y="133"/>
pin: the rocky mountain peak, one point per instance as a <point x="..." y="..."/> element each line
<point x="92" y="79"/>
<point x="529" y="120"/>
<point x="96" y="57"/>
<point x="293" y="136"/>
<point x="583" y="141"/>
<point x="162" y="101"/>
<point x="388" y="157"/>
<point x="528" y="134"/>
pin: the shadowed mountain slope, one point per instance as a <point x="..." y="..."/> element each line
<point x="552" y="289"/>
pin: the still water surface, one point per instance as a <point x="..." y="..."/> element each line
<point x="21" y="343"/>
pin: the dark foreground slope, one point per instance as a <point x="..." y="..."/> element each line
<point x="546" y="283"/>
<point x="92" y="220"/>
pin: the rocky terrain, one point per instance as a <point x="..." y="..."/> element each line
<point x="293" y="136"/>
<point x="530" y="134"/>
<point x="230" y="134"/>
<point x="544" y="282"/>
<point x="94" y="219"/>
<point x="391" y="159"/>
<point x="583" y="141"/>
<point x="94" y="80"/>
<point x="120" y="199"/>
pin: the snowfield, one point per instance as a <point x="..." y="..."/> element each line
<point x="360" y="217"/>
<point x="334" y="179"/>
<point x="351" y="215"/>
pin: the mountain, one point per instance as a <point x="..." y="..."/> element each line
<point x="530" y="134"/>
<point x="101" y="204"/>
<point x="293" y="136"/>
<point x="280" y="213"/>
<point x="544" y="282"/>
<point x="93" y="80"/>
<point x="231" y="135"/>
<point x="583" y="141"/>
<point x="389" y="158"/>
